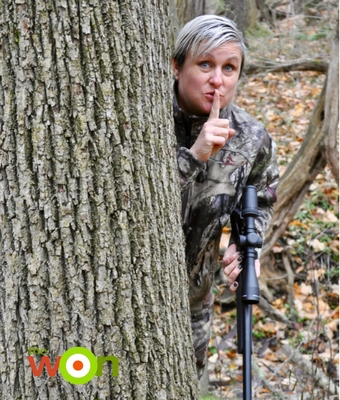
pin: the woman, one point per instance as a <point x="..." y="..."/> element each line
<point x="220" y="149"/>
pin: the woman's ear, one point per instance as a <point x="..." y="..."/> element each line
<point x="175" y="69"/>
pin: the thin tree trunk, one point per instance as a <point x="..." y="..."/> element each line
<point x="331" y="125"/>
<point x="194" y="9"/>
<point x="91" y="250"/>
<point x="182" y="7"/>
<point x="237" y="11"/>
<point x="252" y="14"/>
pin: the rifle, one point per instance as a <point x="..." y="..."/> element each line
<point x="248" y="293"/>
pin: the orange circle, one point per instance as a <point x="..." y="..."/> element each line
<point x="78" y="365"/>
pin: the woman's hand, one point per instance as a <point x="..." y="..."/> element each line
<point x="214" y="134"/>
<point x="232" y="263"/>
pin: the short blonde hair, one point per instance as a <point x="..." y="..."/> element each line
<point x="206" y="33"/>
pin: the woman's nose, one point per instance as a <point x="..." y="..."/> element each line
<point x="216" y="78"/>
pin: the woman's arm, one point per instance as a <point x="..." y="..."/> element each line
<point x="265" y="177"/>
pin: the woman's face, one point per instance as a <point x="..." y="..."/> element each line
<point x="199" y="77"/>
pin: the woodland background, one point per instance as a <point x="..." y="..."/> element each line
<point x="91" y="251"/>
<point x="296" y="326"/>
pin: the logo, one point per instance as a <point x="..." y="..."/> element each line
<point x="77" y="365"/>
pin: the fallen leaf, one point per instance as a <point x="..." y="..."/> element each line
<point x="271" y="356"/>
<point x="298" y="223"/>
<point x="277" y="249"/>
<point x="298" y="304"/>
<point x="298" y="111"/>
<point x="317" y="245"/>
<point x="268" y="327"/>
<point x="306" y="289"/>
<point x="213" y="358"/>
<point x="335" y="314"/>
<point x="300" y="269"/>
<point x="330" y="217"/>
<point x="231" y="353"/>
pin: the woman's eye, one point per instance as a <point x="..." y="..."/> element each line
<point x="204" y="64"/>
<point x="229" y="68"/>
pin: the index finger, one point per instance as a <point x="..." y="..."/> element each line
<point x="215" y="108"/>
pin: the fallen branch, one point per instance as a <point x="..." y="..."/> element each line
<point x="276" y="393"/>
<point x="295" y="65"/>
<point x="290" y="274"/>
<point x="319" y="377"/>
<point x="228" y="297"/>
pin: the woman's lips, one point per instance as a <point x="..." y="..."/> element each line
<point x="210" y="96"/>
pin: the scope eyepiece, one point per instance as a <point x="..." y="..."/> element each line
<point x="249" y="201"/>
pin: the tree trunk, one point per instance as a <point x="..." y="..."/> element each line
<point x="243" y="13"/>
<point x="194" y="8"/>
<point x="91" y="246"/>
<point x="265" y="11"/>
<point x="237" y="11"/>
<point x="181" y="9"/>
<point x="331" y="124"/>
<point x="252" y="14"/>
<point x="178" y="11"/>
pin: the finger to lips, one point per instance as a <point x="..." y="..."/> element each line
<point x="215" y="108"/>
<point x="226" y="133"/>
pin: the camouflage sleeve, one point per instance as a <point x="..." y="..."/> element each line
<point x="188" y="166"/>
<point x="265" y="176"/>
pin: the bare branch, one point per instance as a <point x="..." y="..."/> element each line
<point x="320" y="378"/>
<point x="295" y="65"/>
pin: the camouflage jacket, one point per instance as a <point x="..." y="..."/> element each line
<point x="211" y="190"/>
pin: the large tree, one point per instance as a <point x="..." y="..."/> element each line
<point x="91" y="246"/>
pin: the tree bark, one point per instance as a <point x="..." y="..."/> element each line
<point x="194" y="8"/>
<point x="91" y="246"/>
<point x="237" y="11"/>
<point x="178" y="12"/>
<point x="252" y="14"/>
<point x="331" y="124"/>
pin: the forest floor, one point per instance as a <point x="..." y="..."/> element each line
<point x="300" y="359"/>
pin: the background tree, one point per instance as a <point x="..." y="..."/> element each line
<point x="244" y="12"/>
<point x="91" y="248"/>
